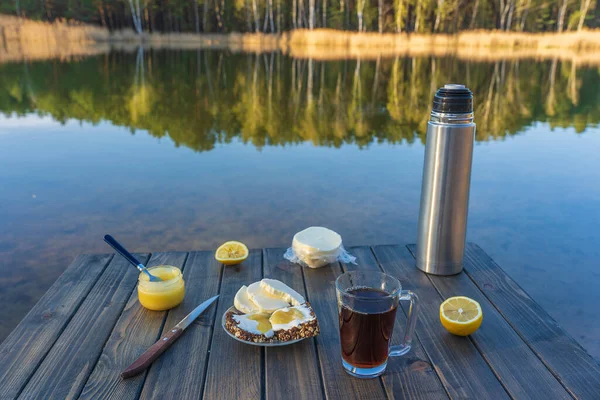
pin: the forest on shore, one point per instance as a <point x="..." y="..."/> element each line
<point x="271" y="16"/>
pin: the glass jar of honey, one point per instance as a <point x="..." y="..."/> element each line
<point x="163" y="295"/>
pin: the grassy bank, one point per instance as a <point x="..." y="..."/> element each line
<point x="26" y="39"/>
<point x="36" y="40"/>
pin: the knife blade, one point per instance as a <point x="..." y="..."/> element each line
<point x="150" y="355"/>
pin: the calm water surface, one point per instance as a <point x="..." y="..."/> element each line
<point x="185" y="150"/>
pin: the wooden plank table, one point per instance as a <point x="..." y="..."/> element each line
<point x="89" y="326"/>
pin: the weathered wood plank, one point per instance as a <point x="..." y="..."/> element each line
<point x="179" y="372"/>
<point x="462" y="369"/>
<point x="296" y="363"/>
<point x="320" y="287"/>
<point x="506" y="353"/>
<point x="135" y="331"/>
<point x="234" y="368"/>
<point x="409" y="376"/>
<point x="67" y="366"/>
<point x="27" y="345"/>
<point x="578" y="372"/>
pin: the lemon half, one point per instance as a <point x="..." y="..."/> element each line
<point x="231" y="253"/>
<point x="461" y="315"/>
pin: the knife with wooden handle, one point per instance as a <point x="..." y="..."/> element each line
<point x="150" y="355"/>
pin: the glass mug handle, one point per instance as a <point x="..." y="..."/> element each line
<point x="413" y="311"/>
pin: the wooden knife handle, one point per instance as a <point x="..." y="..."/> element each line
<point x="152" y="353"/>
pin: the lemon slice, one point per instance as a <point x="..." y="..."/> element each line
<point x="461" y="315"/>
<point x="231" y="253"/>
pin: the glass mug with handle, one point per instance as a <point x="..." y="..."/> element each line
<point x="367" y="305"/>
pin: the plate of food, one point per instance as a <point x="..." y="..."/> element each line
<point x="270" y="313"/>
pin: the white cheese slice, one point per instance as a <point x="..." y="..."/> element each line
<point x="265" y="302"/>
<point x="317" y="246"/>
<point x="279" y="289"/>
<point x="242" y="302"/>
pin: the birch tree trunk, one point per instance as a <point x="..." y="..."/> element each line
<point x="255" y="13"/>
<point x="324" y="14"/>
<point x="139" y="15"/>
<point x="311" y="14"/>
<point x="294" y="13"/>
<point x="360" y="6"/>
<point x="302" y="14"/>
<point x="562" y="11"/>
<point x="474" y="15"/>
<point x="418" y="15"/>
<point x="398" y="11"/>
<point x="585" y="5"/>
<point x="135" y="15"/>
<point x="266" y="21"/>
<point x="510" y="15"/>
<point x="380" y="15"/>
<point x="438" y="15"/>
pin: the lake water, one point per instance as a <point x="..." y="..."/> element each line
<point x="172" y="150"/>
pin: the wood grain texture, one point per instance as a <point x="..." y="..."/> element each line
<point x="578" y="372"/>
<point x="296" y="363"/>
<point x="409" y="376"/>
<point x="67" y="347"/>
<point x="179" y="372"/>
<point x="234" y="368"/>
<point x="69" y="363"/>
<point x="149" y="356"/>
<point x="461" y="368"/>
<point x="501" y="346"/>
<point x="135" y="331"/>
<point x="27" y="345"/>
<point x="320" y="290"/>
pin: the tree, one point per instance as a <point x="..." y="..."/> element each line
<point x="255" y="13"/>
<point x="276" y="15"/>
<point x="526" y="4"/>
<point x="136" y="15"/>
<point x="360" y="7"/>
<point x="399" y="15"/>
<point x="474" y="14"/>
<point x="585" y="5"/>
<point x="380" y="16"/>
<point x="562" y="11"/>
<point x="438" y="14"/>
<point x="196" y="15"/>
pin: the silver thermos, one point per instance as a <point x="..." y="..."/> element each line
<point x="446" y="181"/>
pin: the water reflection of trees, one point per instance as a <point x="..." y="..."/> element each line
<point x="203" y="98"/>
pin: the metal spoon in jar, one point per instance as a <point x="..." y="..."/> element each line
<point x="129" y="257"/>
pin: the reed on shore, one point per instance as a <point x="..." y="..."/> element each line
<point x="26" y="39"/>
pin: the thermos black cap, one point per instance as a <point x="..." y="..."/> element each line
<point x="453" y="99"/>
